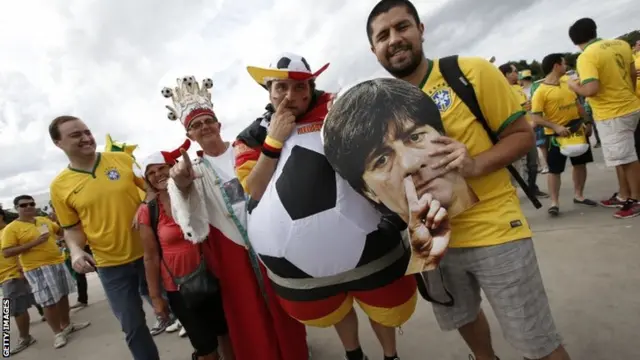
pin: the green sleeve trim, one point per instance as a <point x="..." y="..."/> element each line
<point x="586" y="81"/>
<point x="515" y="116"/>
<point x="69" y="226"/>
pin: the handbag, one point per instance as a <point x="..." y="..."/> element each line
<point x="197" y="286"/>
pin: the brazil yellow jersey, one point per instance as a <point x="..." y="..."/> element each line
<point x="497" y="218"/>
<point x="609" y="62"/>
<point x="556" y="103"/>
<point x="637" y="64"/>
<point x="522" y="97"/>
<point x="9" y="267"/>
<point x="19" y="233"/>
<point x="104" y="201"/>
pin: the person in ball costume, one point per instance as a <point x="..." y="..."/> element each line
<point x="208" y="204"/>
<point x="323" y="244"/>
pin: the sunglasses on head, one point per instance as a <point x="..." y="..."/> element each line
<point x="24" y="205"/>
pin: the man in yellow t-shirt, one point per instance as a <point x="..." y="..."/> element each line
<point x="16" y="288"/>
<point x="33" y="239"/>
<point x="95" y="199"/>
<point x="494" y="233"/>
<point x="607" y="79"/>
<point x="557" y="108"/>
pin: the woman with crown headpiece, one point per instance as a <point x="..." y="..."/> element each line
<point x="209" y="204"/>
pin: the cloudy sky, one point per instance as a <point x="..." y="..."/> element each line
<point x="107" y="60"/>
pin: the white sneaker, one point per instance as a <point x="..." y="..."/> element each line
<point x="73" y="327"/>
<point x="174" y="327"/>
<point x="59" y="340"/>
<point x="183" y="332"/>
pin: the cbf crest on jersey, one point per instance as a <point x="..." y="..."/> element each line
<point x="442" y="99"/>
<point x="112" y="174"/>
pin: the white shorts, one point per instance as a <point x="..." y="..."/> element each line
<point x="617" y="137"/>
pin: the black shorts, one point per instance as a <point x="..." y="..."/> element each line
<point x="203" y="323"/>
<point x="556" y="161"/>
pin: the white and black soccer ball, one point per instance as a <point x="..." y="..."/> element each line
<point x="310" y="223"/>
<point x="291" y="62"/>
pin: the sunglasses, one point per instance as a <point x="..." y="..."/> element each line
<point x="24" y="205"/>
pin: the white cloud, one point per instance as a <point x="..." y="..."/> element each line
<point x="106" y="61"/>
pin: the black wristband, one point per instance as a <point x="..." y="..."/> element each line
<point x="271" y="154"/>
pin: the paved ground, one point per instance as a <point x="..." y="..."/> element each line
<point x="589" y="262"/>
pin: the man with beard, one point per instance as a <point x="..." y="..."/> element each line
<point x="279" y="157"/>
<point x="494" y="233"/>
<point x="96" y="198"/>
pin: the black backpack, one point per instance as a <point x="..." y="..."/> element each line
<point x="452" y="74"/>
<point x="154" y="215"/>
<point x="432" y="282"/>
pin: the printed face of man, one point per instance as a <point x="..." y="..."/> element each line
<point x="405" y="152"/>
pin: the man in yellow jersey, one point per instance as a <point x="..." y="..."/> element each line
<point x="33" y="239"/>
<point x="558" y="109"/>
<point x="16" y="288"/>
<point x="530" y="162"/>
<point x="95" y="199"/>
<point x="607" y="79"/>
<point x="494" y="233"/>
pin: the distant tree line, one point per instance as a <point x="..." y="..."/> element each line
<point x="536" y="68"/>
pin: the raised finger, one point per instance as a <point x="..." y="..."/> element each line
<point x="410" y="191"/>
<point x="283" y="105"/>
<point x="185" y="158"/>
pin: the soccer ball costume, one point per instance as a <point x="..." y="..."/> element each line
<point x="323" y="244"/>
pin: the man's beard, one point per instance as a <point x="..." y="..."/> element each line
<point x="409" y="68"/>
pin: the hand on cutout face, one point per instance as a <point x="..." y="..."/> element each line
<point x="429" y="228"/>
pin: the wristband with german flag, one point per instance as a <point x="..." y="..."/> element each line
<point x="271" y="147"/>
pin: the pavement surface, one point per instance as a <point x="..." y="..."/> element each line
<point x="589" y="261"/>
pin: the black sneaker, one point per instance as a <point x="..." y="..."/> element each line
<point x="541" y="194"/>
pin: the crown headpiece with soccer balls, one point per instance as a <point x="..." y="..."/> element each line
<point x="189" y="99"/>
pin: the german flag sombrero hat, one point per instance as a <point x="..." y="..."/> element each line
<point x="286" y="66"/>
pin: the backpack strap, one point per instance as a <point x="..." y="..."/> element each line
<point x="154" y="216"/>
<point x="452" y="74"/>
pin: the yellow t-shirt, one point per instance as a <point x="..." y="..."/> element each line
<point x="637" y="64"/>
<point x="557" y="103"/>
<point x="609" y="62"/>
<point x="8" y="266"/>
<point x="104" y="201"/>
<point x="497" y="218"/>
<point x="19" y="233"/>
<point x="522" y="97"/>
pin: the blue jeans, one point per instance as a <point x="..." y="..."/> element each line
<point x="124" y="286"/>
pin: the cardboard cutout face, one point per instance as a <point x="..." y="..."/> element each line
<point x="379" y="137"/>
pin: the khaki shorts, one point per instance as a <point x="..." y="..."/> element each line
<point x="617" y="137"/>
